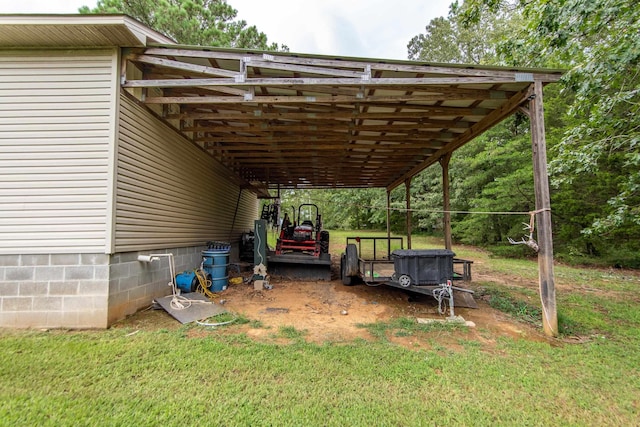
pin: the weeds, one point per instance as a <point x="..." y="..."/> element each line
<point x="290" y="332"/>
<point x="406" y="326"/>
<point x="504" y="301"/>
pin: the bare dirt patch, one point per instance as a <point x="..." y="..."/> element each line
<point x="331" y="312"/>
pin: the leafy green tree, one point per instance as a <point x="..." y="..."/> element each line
<point x="599" y="42"/>
<point x="194" y="22"/>
<point x="451" y="40"/>
<point x="492" y="173"/>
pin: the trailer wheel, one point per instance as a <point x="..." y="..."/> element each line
<point x="350" y="270"/>
<point x="351" y="260"/>
<point x="404" y="281"/>
<point x="346" y="280"/>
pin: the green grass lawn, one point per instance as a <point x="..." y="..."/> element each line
<point x="221" y="377"/>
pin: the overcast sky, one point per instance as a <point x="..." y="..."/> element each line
<point x="363" y="28"/>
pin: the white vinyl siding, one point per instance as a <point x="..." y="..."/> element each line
<point x="169" y="192"/>
<point x="56" y="113"/>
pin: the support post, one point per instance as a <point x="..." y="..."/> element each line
<point x="388" y="214"/>
<point x="543" y="213"/>
<point x="407" y="185"/>
<point x="446" y="203"/>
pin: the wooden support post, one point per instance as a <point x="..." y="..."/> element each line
<point x="407" y="184"/>
<point x="388" y="224"/>
<point x="389" y="216"/>
<point x="446" y="203"/>
<point x="543" y="213"/>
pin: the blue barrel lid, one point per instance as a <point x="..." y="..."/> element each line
<point x="218" y="246"/>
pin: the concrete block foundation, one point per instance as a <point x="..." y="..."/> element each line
<point x="81" y="291"/>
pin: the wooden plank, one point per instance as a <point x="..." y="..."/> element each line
<point x="405" y="66"/>
<point x="333" y="127"/>
<point x="379" y="65"/>
<point x="225" y="89"/>
<point x="198" y="53"/>
<point x="253" y="115"/>
<point x="405" y="82"/>
<point x="183" y="66"/>
<point x="440" y="136"/>
<point x="294" y="68"/>
<point x="304" y="146"/>
<point x="328" y="99"/>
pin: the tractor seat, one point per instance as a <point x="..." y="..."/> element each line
<point x="307" y="222"/>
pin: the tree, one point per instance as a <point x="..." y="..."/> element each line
<point x="599" y="42"/>
<point x="492" y="173"/>
<point x="452" y="41"/>
<point x="194" y="22"/>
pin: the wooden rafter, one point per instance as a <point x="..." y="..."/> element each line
<point x="320" y="122"/>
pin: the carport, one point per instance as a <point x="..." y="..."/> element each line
<point x="280" y="120"/>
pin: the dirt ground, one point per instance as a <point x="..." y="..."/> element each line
<point x="328" y="311"/>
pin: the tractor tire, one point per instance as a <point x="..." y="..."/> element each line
<point x="324" y="242"/>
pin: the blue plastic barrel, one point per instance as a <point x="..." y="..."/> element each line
<point x="216" y="263"/>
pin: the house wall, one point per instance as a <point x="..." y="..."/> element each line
<point x="56" y="132"/>
<point x="89" y="179"/>
<point x="170" y="197"/>
<point x="169" y="192"/>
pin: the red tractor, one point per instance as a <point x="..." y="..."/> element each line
<point x="303" y="236"/>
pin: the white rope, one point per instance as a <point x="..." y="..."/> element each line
<point x="217" y="324"/>
<point x="441" y="294"/>
<point x="380" y="208"/>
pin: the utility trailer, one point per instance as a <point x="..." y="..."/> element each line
<point x="429" y="272"/>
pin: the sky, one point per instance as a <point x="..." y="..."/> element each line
<point x="360" y="28"/>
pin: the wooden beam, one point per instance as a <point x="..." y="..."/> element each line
<point x="349" y="114"/>
<point x="332" y="126"/>
<point x="377" y="65"/>
<point x="388" y="224"/>
<point x="407" y="184"/>
<point x="344" y="138"/>
<point x="426" y="84"/>
<point x="183" y="66"/>
<point x="307" y="69"/>
<point x="326" y="99"/>
<point x="543" y="213"/>
<point x="303" y="147"/>
<point x="446" y="204"/>
<point x="487" y="122"/>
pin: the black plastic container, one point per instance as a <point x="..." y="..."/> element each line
<point x="423" y="267"/>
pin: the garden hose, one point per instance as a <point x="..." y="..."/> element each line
<point x="204" y="284"/>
